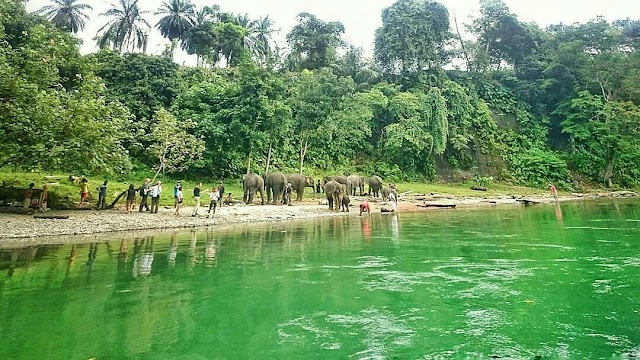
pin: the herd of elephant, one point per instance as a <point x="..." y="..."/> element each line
<point x="337" y="189"/>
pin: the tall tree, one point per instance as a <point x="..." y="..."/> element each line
<point x="127" y="30"/>
<point x="67" y="14"/>
<point x="412" y="37"/>
<point x="177" y="20"/>
<point x="314" y="42"/>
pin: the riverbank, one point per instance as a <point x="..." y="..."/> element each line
<point x="86" y="222"/>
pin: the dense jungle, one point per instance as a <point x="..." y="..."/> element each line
<point x="442" y="99"/>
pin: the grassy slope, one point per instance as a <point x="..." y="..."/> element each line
<point x="71" y="191"/>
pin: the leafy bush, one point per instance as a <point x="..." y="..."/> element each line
<point x="537" y="168"/>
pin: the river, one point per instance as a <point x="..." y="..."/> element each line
<point x="542" y="281"/>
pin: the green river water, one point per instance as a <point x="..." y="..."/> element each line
<point x="506" y="282"/>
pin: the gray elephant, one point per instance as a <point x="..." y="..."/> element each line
<point x="355" y="182"/>
<point x="345" y="203"/>
<point x="299" y="182"/>
<point x="274" y="184"/>
<point x="386" y="191"/>
<point x="375" y="184"/>
<point x="335" y="192"/>
<point x="251" y="184"/>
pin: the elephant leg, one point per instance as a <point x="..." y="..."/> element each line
<point x="269" y="191"/>
<point x="330" y="200"/>
<point x="300" y="195"/>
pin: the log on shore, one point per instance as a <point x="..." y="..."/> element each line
<point x="16" y="210"/>
<point x="43" y="216"/>
<point x="529" y="202"/>
<point x="433" y="205"/>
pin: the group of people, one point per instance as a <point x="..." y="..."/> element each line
<point x="154" y="191"/>
<point x="215" y="198"/>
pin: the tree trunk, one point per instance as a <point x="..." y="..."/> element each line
<point x="249" y="162"/>
<point x="303" y="151"/>
<point x="464" y="48"/>
<point x="269" y="156"/>
<point x="608" y="172"/>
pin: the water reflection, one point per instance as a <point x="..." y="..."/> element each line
<point x="346" y="287"/>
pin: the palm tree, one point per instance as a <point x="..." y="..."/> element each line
<point x="66" y="14"/>
<point x="177" y="20"/>
<point x="126" y="29"/>
<point x="259" y="37"/>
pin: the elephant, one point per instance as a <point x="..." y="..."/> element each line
<point x="355" y="182"/>
<point x="252" y="183"/>
<point x="345" y="203"/>
<point x="335" y="193"/>
<point x="375" y="184"/>
<point x="274" y="184"/>
<point x="299" y="182"/>
<point x="386" y="191"/>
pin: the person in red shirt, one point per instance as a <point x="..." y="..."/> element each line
<point x="365" y="207"/>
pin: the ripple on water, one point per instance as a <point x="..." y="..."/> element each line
<point x="394" y="281"/>
<point x="381" y="331"/>
<point x="481" y="321"/>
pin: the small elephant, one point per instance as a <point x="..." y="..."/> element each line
<point x="375" y="184"/>
<point x="345" y="203"/>
<point x="334" y="192"/>
<point x="252" y="183"/>
<point x="274" y="184"/>
<point x="298" y="183"/>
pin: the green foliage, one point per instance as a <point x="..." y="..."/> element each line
<point x="603" y="135"/>
<point x="53" y="113"/>
<point x="412" y="37"/>
<point x="313" y="42"/>
<point x="174" y="149"/>
<point x="537" y="168"/>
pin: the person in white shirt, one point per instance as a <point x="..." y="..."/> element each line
<point x="155" y="192"/>
<point x="393" y="201"/>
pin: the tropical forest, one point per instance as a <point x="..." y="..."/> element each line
<point x="441" y="98"/>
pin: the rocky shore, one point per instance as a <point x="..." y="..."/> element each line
<point x="84" y="222"/>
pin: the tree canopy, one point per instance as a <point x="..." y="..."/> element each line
<point x="507" y="99"/>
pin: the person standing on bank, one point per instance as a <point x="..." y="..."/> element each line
<point x="28" y="195"/>
<point x="102" y="196"/>
<point x="179" y="198"/>
<point x="318" y="187"/>
<point x="220" y="194"/>
<point x="131" y="198"/>
<point x="84" y="190"/>
<point x="554" y="192"/>
<point x="393" y="202"/>
<point x="175" y="193"/>
<point x="196" y="199"/>
<point x="144" y="194"/>
<point x="156" y="190"/>
<point x="215" y="198"/>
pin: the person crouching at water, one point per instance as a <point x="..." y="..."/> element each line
<point x="365" y="207"/>
<point x="215" y="197"/>
<point x="131" y="198"/>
